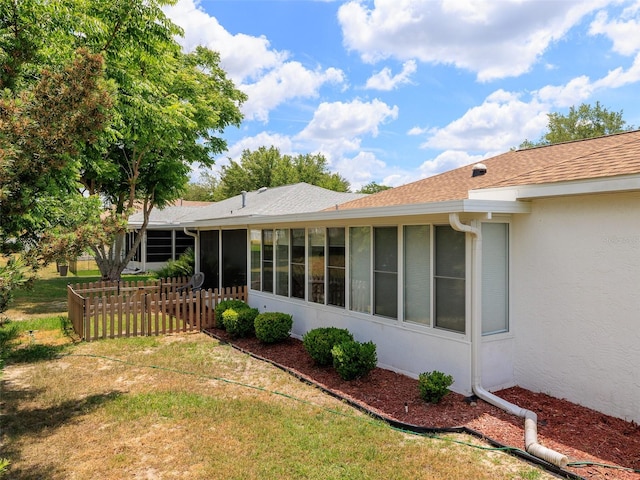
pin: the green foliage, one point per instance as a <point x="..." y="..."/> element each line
<point x="353" y="359"/>
<point x="267" y="167"/>
<point x="240" y="323"/>
<point x="319" y="342"/>
<point x="273" y="327"/>
<point x="4" y="466"/>
<point x="433" y="386"/>
<point x="181" y="267"/>
<point x="373" y="187"/>
<point x="224" y="305"/>
<point x="586" y="121"/>
<point x="13" y="275"/>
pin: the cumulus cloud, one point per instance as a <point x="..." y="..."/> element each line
<point x="623" y="32"/>
<point x="492" y="39"/>
<point x="338" y="120"/>
<point x="269" y="77"/>
<point x="451" y="159"/>
<point x="384" y="80"/>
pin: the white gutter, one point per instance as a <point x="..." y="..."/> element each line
<point x="196" y="249"/>
<point x="530" y="418"/>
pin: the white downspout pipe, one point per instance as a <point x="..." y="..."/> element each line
<point x="530" y="418"/>
<point x="196" y="250"/>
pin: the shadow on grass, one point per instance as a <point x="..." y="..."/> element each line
<point x="17" y="423"/>
<point x="34" y="353"/>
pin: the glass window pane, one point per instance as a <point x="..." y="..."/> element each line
<point x="234" y="258"/>
<point x="417" y="274"/>
<point x="316" y="265"/>
<point x="159" y="245"/>
<point x="451" y="247"/>
<point x="282" y="262"/>
<point x="336" y="286"/>
<point x="386" y="294"/>
<point x="385" y="267"/>
<point x="267" y="260"/>
<point x="256" y="243"/>
<point x="450" y="304"/>
<point x="298" y="262"/>
<point x="360" y="269"/>
<point x="386" y="249"/>
<point x="336" y="247"/>
<point x="495" y="278"/>
<point x="450" y="294"/>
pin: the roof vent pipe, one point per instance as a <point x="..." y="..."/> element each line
<point x="478" y="170"/>
<point x="262" y="189"/>
<point x="244" y="198"/>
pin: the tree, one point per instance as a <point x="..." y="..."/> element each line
<point x="266" y="167"/>
<point x="169" y="107"/>
<point x="373" y="187"/>
<point x="582" y="122"/>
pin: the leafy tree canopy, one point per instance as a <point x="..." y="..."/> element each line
<point x="373" y="187"/>
<point x="267" y="167"/>
<point x="168" y="107"/>
<point x="586" y="121"/>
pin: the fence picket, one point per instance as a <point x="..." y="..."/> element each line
<point x="116" y="309"/>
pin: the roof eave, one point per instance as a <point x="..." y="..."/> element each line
<point x="622" y="183"/>
<point x="430" y="208"/>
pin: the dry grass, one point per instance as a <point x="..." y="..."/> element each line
<point x="185" y="406"/>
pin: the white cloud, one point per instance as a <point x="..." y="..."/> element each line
<point x="336" y="123"/>
<point x="383" y="80"/>
<point x="267" y="76"/>
<point x="288" y="81"/>
<point x="492" y="39"/>
<point x="501" y="122"/>
<point x="623" y="32"/>
<point x="451" y="159"/>
<point x="360" y="170"/>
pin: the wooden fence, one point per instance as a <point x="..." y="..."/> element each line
<point x="156" y="307"/>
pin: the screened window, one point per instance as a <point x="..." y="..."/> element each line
<point x="336" y="266"/>
<point x="316" y="264"/>
<point x="183" y="241"/>
<point x="282" y="262"/>
<point x="495" y="278"/>
<point x="417" y="274"/>
<point x="210" y="256"/>
<point x="385" y="271"/>
<point x="256" y="244"/>
<point x="267" y="261"/>
<point x="234" y="257"/>
<point x="159" y="245"/>
<point x="360" y="269"/>
<point x="449" y="279"/>
<point x="298" y="256"/>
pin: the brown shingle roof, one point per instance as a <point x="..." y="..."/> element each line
<point x="600" y="157"/>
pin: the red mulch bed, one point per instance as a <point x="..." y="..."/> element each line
<point x="582" y="434"/>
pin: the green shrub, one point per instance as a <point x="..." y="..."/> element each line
<point x="226" y="305"/>
<point x="319" y="342"/>
<point x="273" y="327"/>
<point x="181" y="267"/>
<point x="434" y="385"/>
<point x="239" y="323"/>
<point x="353" y="359"/>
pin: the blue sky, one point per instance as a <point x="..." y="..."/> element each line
<point x="393" y="91"/>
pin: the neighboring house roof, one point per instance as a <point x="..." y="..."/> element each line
<point x="597" y="158"/>
<point x="289" y="199"/>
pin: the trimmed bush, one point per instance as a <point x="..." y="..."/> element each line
<point x="434" y="386"/>
<point x="273" y="327"/>
<point x="226" y="305"/>
<point x="353" y="359"/>
<point x="319" y="342"/>
<point x="239" y="323"/>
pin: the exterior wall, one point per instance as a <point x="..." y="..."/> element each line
<point x="576" y="300"/>
<point x="401" y="349"/>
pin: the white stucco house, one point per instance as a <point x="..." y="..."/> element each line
<point x="524" y="270"/>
